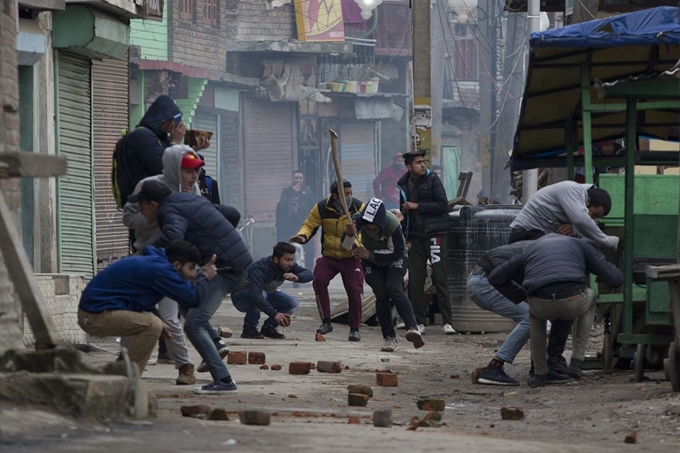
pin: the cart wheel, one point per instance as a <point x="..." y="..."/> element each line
<point x="674" y="367"/>
<point x="639" y="363"/>
<point x="607" y="353"/>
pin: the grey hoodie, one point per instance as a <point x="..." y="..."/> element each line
<point x="145" y="233"/>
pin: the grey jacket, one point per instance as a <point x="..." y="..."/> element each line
<point x="145" y="233"/>
<point x="559" y="204"/>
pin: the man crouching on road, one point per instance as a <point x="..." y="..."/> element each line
<point x="260" y="293"/>
<point x="121" y="299"/>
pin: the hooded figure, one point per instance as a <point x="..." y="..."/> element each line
<point x="385" y="262"/>
<point x="145" y="144"/>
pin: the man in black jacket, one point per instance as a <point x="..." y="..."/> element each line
<point x="260" y="292"/>
<point x="195" y="219"/>
<point x="292" y="209"/>
<point x="424" y="204"/>
<point x="553" y="270"/>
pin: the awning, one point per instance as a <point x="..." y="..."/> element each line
<point x="593" y="53"/>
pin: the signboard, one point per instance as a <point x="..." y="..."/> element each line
<point x="319" y="20"/>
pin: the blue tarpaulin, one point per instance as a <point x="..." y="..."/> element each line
<point x="650" y="26"/>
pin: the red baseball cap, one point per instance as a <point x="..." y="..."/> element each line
<point x="192" y="161"/>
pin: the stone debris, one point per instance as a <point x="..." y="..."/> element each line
<point x="361" y="389"/>
<point x="194" y="411"/>
<point x="512" y="413"/>
<point x="299" y="367"/>
<point x="225" y="332"/>
<point x="237" y="358"/>
<point x="325" y="366"/>
<point x="387" y="379"/>
<point x="276" y="368"/>
<point x="431" y="404"/>
<point x="357" y="399"/>
<point x="255" y="417"/>
<point x="218" y="414"/>
<point x="353" y="420"/>
<point x="264" y="367"/>
<point x="256" y="358"/>
<point x="430" y="420"/>
<point x="455" y="376"/>
<point x="631" y="438"/>
<point x="382" y="418"/>
<point x="319" y="337"/>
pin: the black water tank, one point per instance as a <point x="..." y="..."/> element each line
<point x="474" y="231"/>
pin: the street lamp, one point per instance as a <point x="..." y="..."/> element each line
<point x="463" y="8"/>
<point x="367" y="7"/>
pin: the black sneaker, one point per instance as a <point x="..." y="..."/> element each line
<point x="556" y="378"/>
<point x="272" y="333"/>
<point x="354" y="335"/>
<point x="325" y="328"/>
<point x="495" y="376"/>
<point x="559" y="365"/>
<point x="251" y="333"/>
<point x="537" y="380"/>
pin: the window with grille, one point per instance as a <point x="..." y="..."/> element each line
<point x="211" y="12"/>
<point x="186" y="9"/>
<point x="465" y="65"/>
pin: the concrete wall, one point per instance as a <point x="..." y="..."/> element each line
<point x="256" y="23"/>
<point x="151" y="36"/>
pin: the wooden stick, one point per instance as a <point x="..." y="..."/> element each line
<point x="338" y="170"/>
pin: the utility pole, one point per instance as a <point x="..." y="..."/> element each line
<point x="530" y="177"/>
<point x="422" y="73"/>
<point x="437" y="56"/>
<point x="487" y="93"/>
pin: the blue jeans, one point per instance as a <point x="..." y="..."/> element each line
<point x="282" y="302"/>
<point x="486" y="297"/>
<point x="197" y="325"/>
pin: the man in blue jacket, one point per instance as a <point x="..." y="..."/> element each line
<point x="121" y="299"/>
<point x="195" y="219"/>
<point x="260" y="293"/>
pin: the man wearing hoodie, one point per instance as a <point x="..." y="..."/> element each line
<point x="195" y="219"/>
<point x="121" y="299"/>
<point x="384" y="259"/>
<point x="425" y="207"/>
<point x="180" y="165"/>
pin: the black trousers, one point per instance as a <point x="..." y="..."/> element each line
<point x="388" y="287"/>
<point x="432" y="248"/>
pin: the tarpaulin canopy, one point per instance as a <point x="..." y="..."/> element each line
<point x="564" y="60"/>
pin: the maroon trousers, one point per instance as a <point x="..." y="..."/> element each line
<point x="352" y="278"/>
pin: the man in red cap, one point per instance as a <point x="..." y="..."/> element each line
<point x="385" y="184"/>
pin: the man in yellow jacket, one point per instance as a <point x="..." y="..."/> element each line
<point x="336" y="258"/>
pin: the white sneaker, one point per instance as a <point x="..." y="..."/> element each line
<point x="390" y="345"/>
<point x="414" y="336"/>
<point x="448" y="329"/>
<point x="421" y="329"/>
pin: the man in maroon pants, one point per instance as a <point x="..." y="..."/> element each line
<point x="337" y="258"/>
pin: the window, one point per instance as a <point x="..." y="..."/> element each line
<point x="211" y="12"/>
<point x="186" y="9"/>
<point x="465" y="59"/>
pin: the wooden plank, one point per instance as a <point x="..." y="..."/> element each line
<point x="25" y="283"/>
<point x="31" y="165"/>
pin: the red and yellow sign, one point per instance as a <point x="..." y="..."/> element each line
<point x="319" y="20"/>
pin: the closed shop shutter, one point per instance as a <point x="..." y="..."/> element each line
<point x="75" y="189"/>
<point x="110" y="93"/>
<point x="358" y="157"/>
<point x="206" y="122"/>
<point x="268" y="135"/>
<point x="231" y="162"/>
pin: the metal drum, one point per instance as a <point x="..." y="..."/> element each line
<point x="474" y="231"/>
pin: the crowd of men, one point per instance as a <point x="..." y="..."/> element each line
<point x="177" y="224"/>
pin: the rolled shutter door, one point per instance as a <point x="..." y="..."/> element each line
<point x="269" y="155"/>
<point x="75" y="189"/>
<point x="110" y="100"/>
<point x="206" y="122"/>
<point x="358" y="157"/>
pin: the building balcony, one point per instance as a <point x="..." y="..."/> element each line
<point x="124" y="9"/>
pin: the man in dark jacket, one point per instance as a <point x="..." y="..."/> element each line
<point x="424" y="204"/>
<point x="121" y="299"/>
<point x="291" y="210"/>
<point x="261" y="293"/>
<point x="383" y="256"/>
<point x="195" y="219"/>
<point x="553" y="270"/>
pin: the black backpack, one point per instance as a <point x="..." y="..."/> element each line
<point x="122" y="182"/>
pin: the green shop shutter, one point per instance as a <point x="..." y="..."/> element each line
<point x="358" y="157"/>
<point x="110" y="93"/>
<point x="75" y="189"/>
<point x="207" y="122"/>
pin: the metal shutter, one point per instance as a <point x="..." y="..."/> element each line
<point x="110" y="100"/>
<point x="205" y="122"/>
<point x="358" y="157"/>
<point x="269" y="155"/>
<point x="75" y="189"/>
<point x="232" y="180"/>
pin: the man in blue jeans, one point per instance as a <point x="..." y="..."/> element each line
<point x="509" y="303"/>
<point x="195" y="219"/>
<point x="260" y="292"/>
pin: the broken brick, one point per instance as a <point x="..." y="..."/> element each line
<point x="631" y="438"/>
<point x="455" y="376"/>
<point x="255" y="417"/>
<point x="292" y="396"/>
<point x="512" y="413"/>
<point x="431" y="404"/>
<point x="353" y="420"/>
<point x="357" y="399"/>
<point x="237" y="358"/>
<point x="225" y="332"/>
<point x="299" y="367"/>
<point x="325" y="366"/>
<point x="347" y="367"/>
<point x="312" y="367"/>
<point x="319" y="337"/>
<point x="264" y="367"/>
<point x="194" y="411"/>
<point x="387" y="379"/>
<point x="256" y="358"/>
<point x="361" y="389"/>
<point x="218" y="414"/>
<point x="276" y="367"/>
